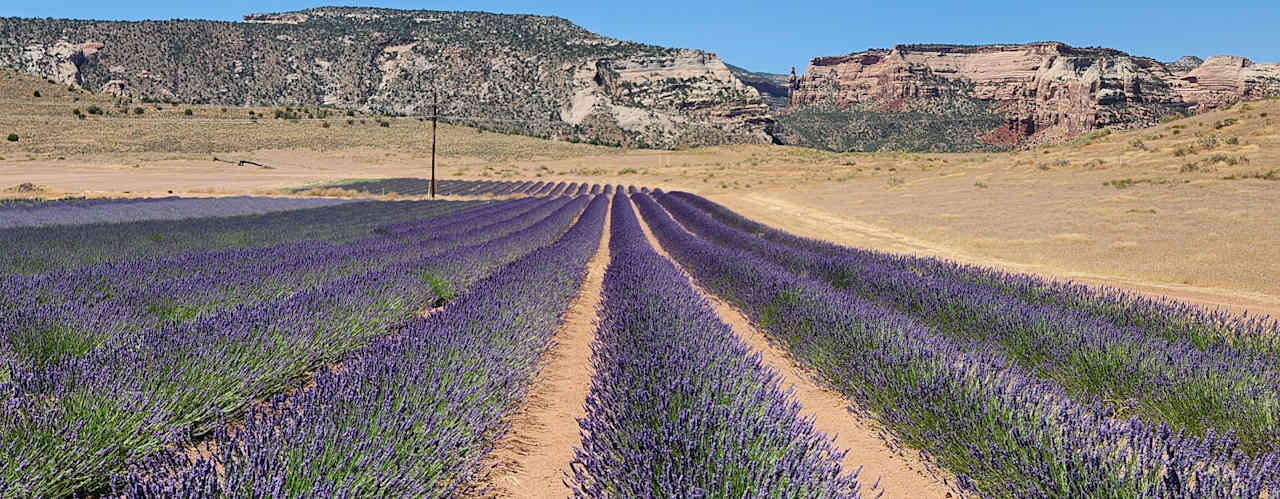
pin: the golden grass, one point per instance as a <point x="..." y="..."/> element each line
<point x="49" y="129"/>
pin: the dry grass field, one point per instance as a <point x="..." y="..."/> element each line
<point x="1190" y="208"/>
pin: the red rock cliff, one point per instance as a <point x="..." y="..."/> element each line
<point x="1044" y="89"/>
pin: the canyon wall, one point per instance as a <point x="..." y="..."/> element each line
<point x="1001" y="96"/>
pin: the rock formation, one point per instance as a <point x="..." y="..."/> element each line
<point x="545" y="76"/>
<point x="1030" y="93"/>
<point x="535" y="75"/>
<point x="1224" y="80"/>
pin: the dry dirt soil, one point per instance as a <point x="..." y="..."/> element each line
<point x="1189" y="209"/>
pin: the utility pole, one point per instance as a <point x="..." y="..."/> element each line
<point x="435" y="112"/>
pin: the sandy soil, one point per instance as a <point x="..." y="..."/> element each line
<point x="532" y="457"/>
<point x="901" y="472"/>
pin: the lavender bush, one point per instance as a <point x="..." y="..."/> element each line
<point x="968" y="406"/>
<point x="1171" y="319"/>
<point x="44" y="249"/>
<point x="406" y="415"/>
<point x="75" y="417"/>
<point x="133" y="210"/>
<point x="678" y="406"/>
<point x="1218" y="386"/>
<point x="20" y="204"/>
<point x="48" y="318"/>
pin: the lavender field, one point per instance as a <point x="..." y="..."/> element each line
<point x="336" y="348"/>
<point x="419" y="187"/>
<point x="91" y="211"/>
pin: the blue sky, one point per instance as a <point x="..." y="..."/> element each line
<point x="773" y="36"/>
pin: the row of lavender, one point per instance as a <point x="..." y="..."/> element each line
<point x="678" y="407"/>
<point x="1162" y="361"/>
<point x="19" y="204"/>
<point x="56" y="314"/>
<point x="1174" y="320"/>
<point x="421" y="187"/>
<point x="73" y="417"/>
<point x="171" y="208"/>
<point x="82" y="211"/>
<point x="1003" y="429"/>
<point x="1168" y="318"/>
<point x="408" y="415"/>
<point x="30" y="250"/>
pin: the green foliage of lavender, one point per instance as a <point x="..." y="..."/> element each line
<point x="1168" y="318"/>
<point x="1162" y="361"/>
<point x="97" y="302"/>
<point x="1001" y="429"/>
<point x="43" y="249"/>
<point x="131" y="210"/>
<point x="74" y="416"/>
<point x="678" y="406"/>
<point x="410" y="414"/>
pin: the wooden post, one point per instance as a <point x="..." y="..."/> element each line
<point x="435" y="112"/>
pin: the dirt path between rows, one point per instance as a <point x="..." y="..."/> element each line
<point x="531" y="458"/>
<point x="901" y="473"/>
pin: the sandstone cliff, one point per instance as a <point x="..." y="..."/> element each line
<point x="536" y="75"/>
<point x="1000" y="96"/>
<point x="1225" y="80"/>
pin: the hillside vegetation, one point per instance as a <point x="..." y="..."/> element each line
<point x="66" y="121"/>
<point x="535" y="75"/>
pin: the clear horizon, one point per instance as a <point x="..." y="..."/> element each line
<point x="766" y="39"/>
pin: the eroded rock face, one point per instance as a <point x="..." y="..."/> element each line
<point x="59" y="61"/>
<point x="536" y="75"/>
<point x="1224" y="80"/>
<point x="684" y="98"/>
<point x="1043" y="91"/>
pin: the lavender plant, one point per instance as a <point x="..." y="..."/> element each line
<point x="1219" y="387"/>
<point x="1171" y="319"/>
<point x="678" y="406"/>
<point x="173" y="208"/>
<point x="44" y="249"/>
<point x="7" y="204"/>
<point x="971" y="408"/>
<point x="94" y="303"/>
<point x="407" y="415"/>
<point x="72" y="423"/>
